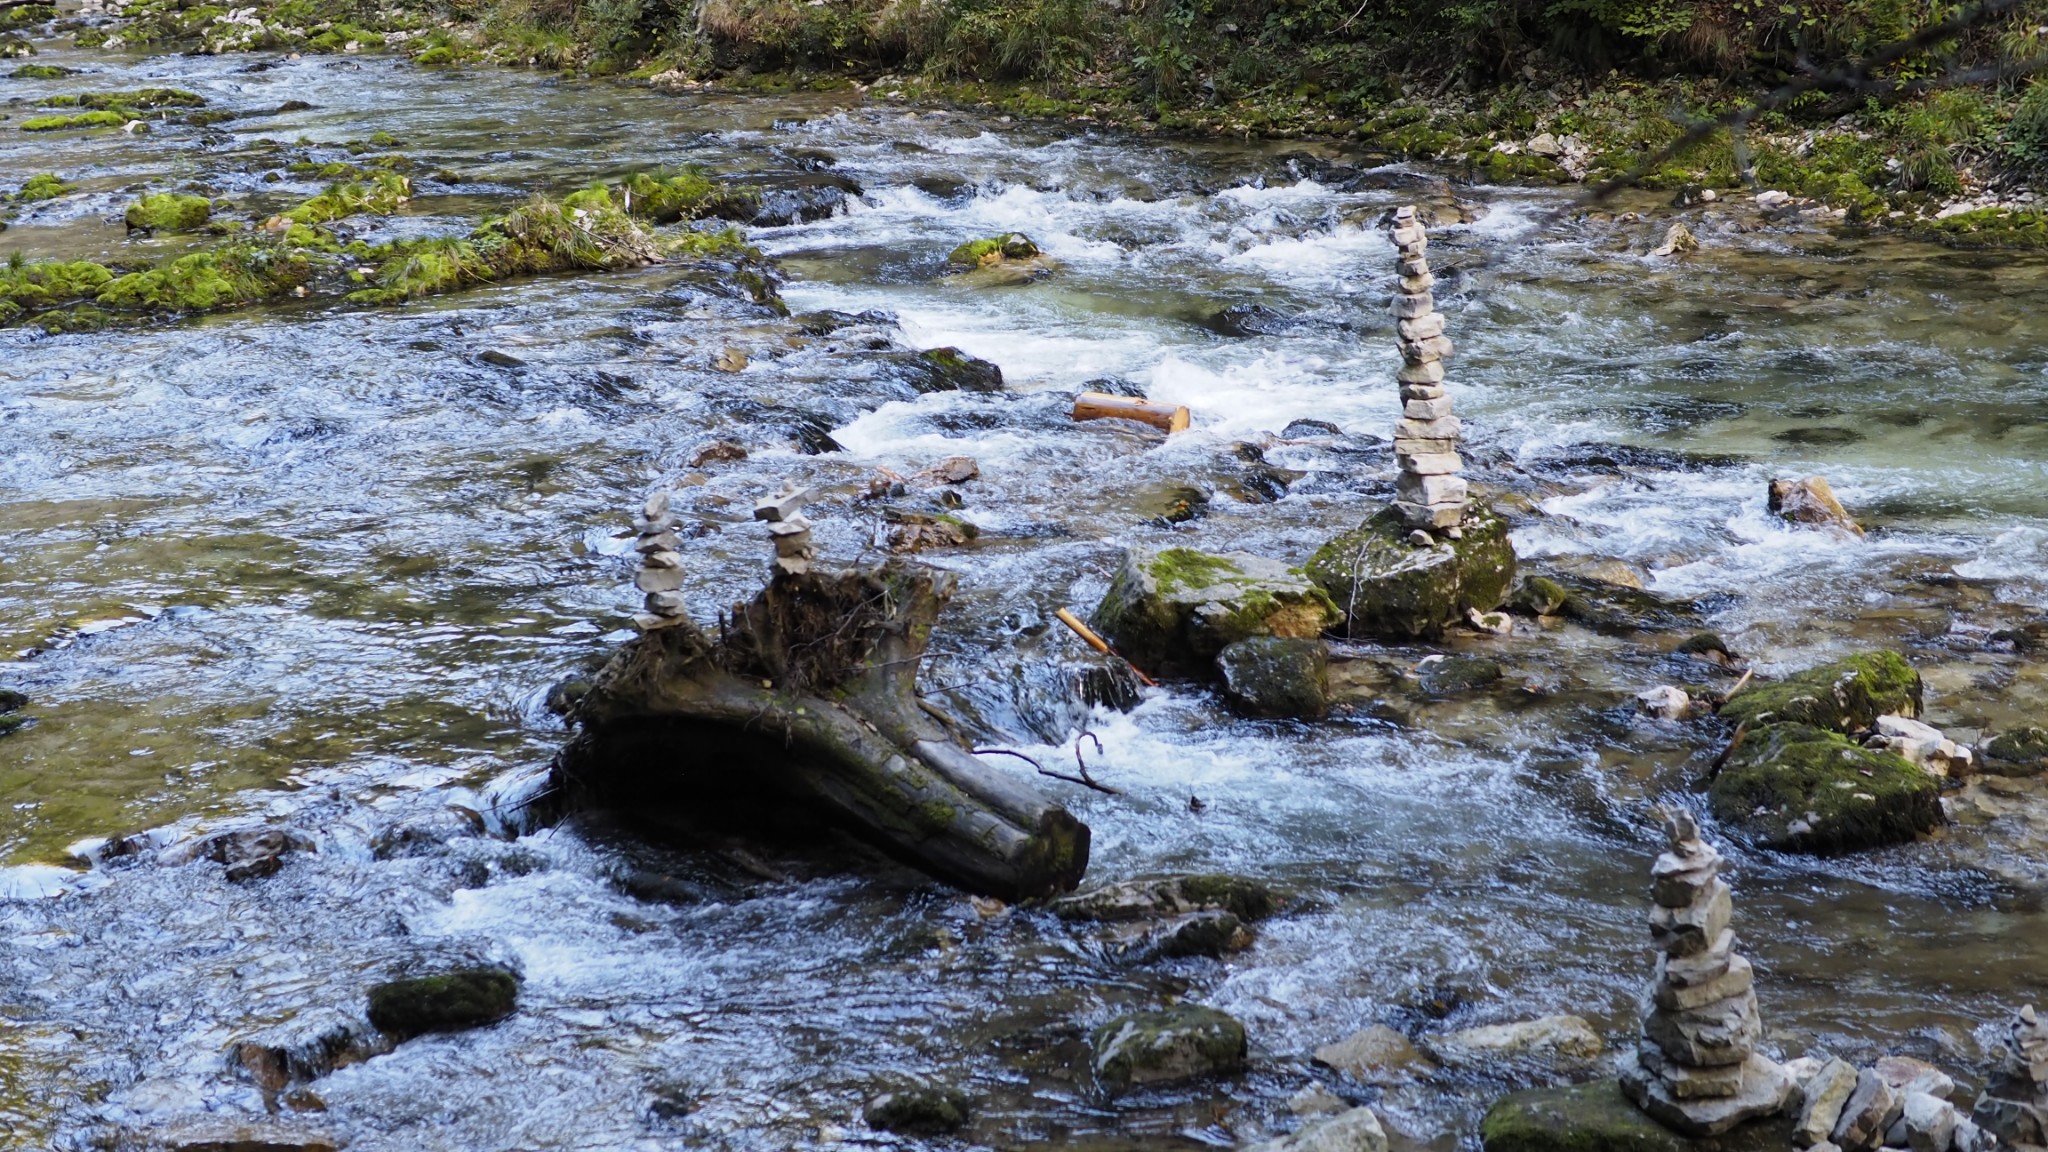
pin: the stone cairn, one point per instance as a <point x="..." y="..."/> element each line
<point x="1430" y="493"/>
<point x="1696" y="1069"/>
<point x="2014" y="1106"/>
<point x="789" y="528"/>
<point x="661" y="566"/>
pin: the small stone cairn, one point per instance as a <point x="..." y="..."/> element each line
<point x="661" y="566"/>
<point x="789" y="528"/>
<point x="1696" y="1069"/>
<point x="1430" y="493"/>
<point x="2015" y="1105"/>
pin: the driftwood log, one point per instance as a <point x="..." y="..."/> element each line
<point x="808" y="698"/>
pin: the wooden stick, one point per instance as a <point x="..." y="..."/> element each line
<point x="1103" y="406"/>
<point x="1088" y="635"/>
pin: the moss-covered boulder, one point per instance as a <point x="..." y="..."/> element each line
<point x="2023" y="751"/>
<point x="1184" y="1042"/>
<point x="1802" y="788"/>
<point x="1846" y="696"/>
<point x="993" y="250"/>
<point x="169" y="212"/>
<point x="1172" y="611"/>
<point x="1276" y="676"/>
<point x="1596" y="1117"/>
<point x="44" y="186"/>
<point x="1386" y="586"/>
<point x="446" y="1002"/>
<point x="946" y="370"/>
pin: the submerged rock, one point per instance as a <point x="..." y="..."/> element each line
<point x="930" y="1110"/>
<point x="1456" y="675"/>
<point x="2023" y="751"/>
<point x="447" y="1002"/>
<point x="1276" y="676"/>
<point x="1845" y="696"/>
<point x="1376" y="1055"/>
<point x="1173" y="611"/>
<point x="1810" y="501"/>
<point x="946" y="370"/>
<point x="245" y="854"/>
<point x="1805" y="789"/>
<point x="1555" y="1039"/>
<point x="1596" y="1117"/>
<point x="994" y="250"/>
<point x="1247" y="899"/>
<point x="211" y="1133"/>
<point x="1184" y="1042"/>
<point x="301" y="1049"/>
<point x="1356" y="1130"/>
<point x="1384" y="585"/>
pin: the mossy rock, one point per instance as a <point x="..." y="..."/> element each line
<point x="993" y="250"/>
<point x="448" y="1002"/>
<point x="1185" y="1042"/>
<point x="1596" y="1117"/>
<point x="42" y="72"/>
<point x="924" y="1111"/>
<point x="949" y="370"/>
<point x="1990" y="228"/>
<point x="1172" y="611"/>
<point x="1385" y="586"/>
<point x="46" y="186"/>
<point x="169" y="212"/>
<point x="1800" y="788"/>
<point x="2022" y="751"/>
<point x="1456" y="675"/>
<point x="1276" y="676"/>
<point x="1846" y="696"/>
<point x="70" y="120"/>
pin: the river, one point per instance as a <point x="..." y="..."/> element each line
<point x="320" y="566"/>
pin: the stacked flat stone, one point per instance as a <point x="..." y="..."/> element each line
<point x="789" y="528"/>
<point x="1696" y="1068"/>
<point x="1430" y="494"/>
<point x="2014" y="1106"/>
<point x="661" y="566"/>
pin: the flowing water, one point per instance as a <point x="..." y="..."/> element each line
<point x="319" y="566"/>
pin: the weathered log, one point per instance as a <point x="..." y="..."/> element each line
<point x="1167" y="418"/>
<point x="808" y="698"/>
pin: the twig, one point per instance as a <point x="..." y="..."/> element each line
<point x="1088" y="635"/>
<point x="1734" y="742"/>
<point x="1008" y="752"/>
<point x="1739" y="685"/>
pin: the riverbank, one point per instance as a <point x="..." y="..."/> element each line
<point x="1960" y="166"/>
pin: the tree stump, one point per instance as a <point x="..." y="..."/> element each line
<point x="808" y="699"/>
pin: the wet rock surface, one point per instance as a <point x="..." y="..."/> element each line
<point x="443" y="1002"/>
<point x="1387" y="584"/>
<point x="1169" y="1046"/>
<point x="1173" y="611"/>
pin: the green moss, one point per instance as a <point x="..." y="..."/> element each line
<point x="449" y="1002"/>
<point x="47" y="186"/>
<point x="439" y="56"/>
<point x="381" y="195"/>
<point x="936" y="816"/>
<point x="1177" y="1044"/>
<point x="1847" y="695"/>
<point x="240" y="272"/>
<point x="30" y="288"/>
<point x="993" y="250"/>
<point x="169" y="212"/>
<point x="544" y="236"/>
<point x="1989" y="228"/>
<point x="1173" y="611"/>
<point x="688" y="194"/>
<point x="1384" y="585"/>
<point x="148" y="99"/>
<point x="1592" y="1117"/>
<point x="73" y="120"/>
<point x="1539" y="596"/>
<point x="1801" y="788"/>
<point x="42" y="72"/>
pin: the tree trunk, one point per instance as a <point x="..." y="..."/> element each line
<point x="809" y="698"/>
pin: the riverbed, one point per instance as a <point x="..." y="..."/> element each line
<point x="320" y="566"/>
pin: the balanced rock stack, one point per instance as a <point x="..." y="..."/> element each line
<point x="2014" y="1106"/>
<point x="1430" y="493"/>
<point x="661" y="566"/>
<point x="789" y="528"/>
<point x="1697" y="1070"/>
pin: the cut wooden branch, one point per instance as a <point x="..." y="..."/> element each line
<point x="805" y="708"/>
<point x="1167" y="418"/>
<point x="1096" y="642"/>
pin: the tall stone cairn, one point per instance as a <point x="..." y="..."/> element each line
<point x="2014" y="1106"/>
<point x="1430" y="493"/>
<point x="661" y="566"/>
<point x="1696" y="1069"/>
<point x="789" y="528"/>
